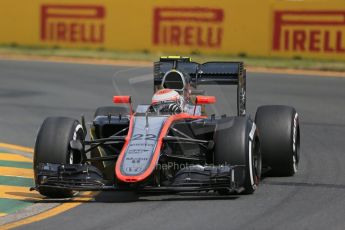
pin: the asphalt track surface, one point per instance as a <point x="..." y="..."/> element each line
<point x="313" y="199"/>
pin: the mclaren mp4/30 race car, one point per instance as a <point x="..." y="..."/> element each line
<point x="169" y="144"/>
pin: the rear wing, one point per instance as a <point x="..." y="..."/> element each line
<point x="209" y="73"/>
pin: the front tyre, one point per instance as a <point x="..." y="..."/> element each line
<point x="53" y="146"/>
<point x="237" y="143"/>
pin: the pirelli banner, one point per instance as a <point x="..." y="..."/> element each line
<point x="314" y="29"/>
<point x="309" y="28"/>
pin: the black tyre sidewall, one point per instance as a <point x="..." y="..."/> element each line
<point x="52" y="146"/>
<point x="276" y="128"/>
<point x="232" y="147"/>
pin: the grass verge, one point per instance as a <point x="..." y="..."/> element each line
<point x="280" y="63"/>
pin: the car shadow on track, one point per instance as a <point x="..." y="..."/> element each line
<point x="127" y="197"/>
<point x="305" y="184"/>
<point x="130" y="196"/>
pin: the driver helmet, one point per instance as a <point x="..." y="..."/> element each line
<point x="167" y="98"/>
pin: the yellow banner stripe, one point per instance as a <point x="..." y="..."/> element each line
<point x="13" y="157"/>
<point x="19" y="172"/>
<point x="18" y="193"/>
<point x="3" y="214"/>
<point x="16" y="147"/>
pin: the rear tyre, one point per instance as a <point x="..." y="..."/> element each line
<point x="280" y="138"/>
<point x="112" y="110"/>
<point x="237" y="143"/>
<point x="53" y="146"/>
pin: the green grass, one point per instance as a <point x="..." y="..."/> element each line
<point x="284" y="63"/>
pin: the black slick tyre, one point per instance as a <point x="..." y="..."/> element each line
<point x="280" y="138"/>
<point x="237" y="143"/>
<point x="53" y="146"/>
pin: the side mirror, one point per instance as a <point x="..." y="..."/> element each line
<point x="124" y="100"/>
<point x="202" y="100"/>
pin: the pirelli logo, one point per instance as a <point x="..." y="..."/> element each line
<point x="309" y="31"/>
<point x="72" y="23"/>
<point x="191" y="27"/>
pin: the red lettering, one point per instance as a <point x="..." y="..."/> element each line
<point x="165" y="35"/>
<point x="83" y="33"/>
<point x="177" y="29"/>
<point x="83" y="37"/>
<point x="191" y="36"/>
<point x="326" y="43"/>
<point x="188" y="36"/>
<point x="209" y="37"/>
<point x="100" y="33"/>
<point x="219" y="37"/>
<point x="74" y="32"/>
<point x="200" y="42"/>
<point x="312" y="33"/>
<point x="93" y="38"/>
<point x="339" y="40"/>
<point x="61" y="31"/>
<point x="65" y="25"/>
<point x="299" y="38"/>
<point x="213" y="37"/>
<point x="175" y="35"/>
<point x="314" y="42"/>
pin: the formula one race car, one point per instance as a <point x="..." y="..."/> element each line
<point x="169" y="144"/>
